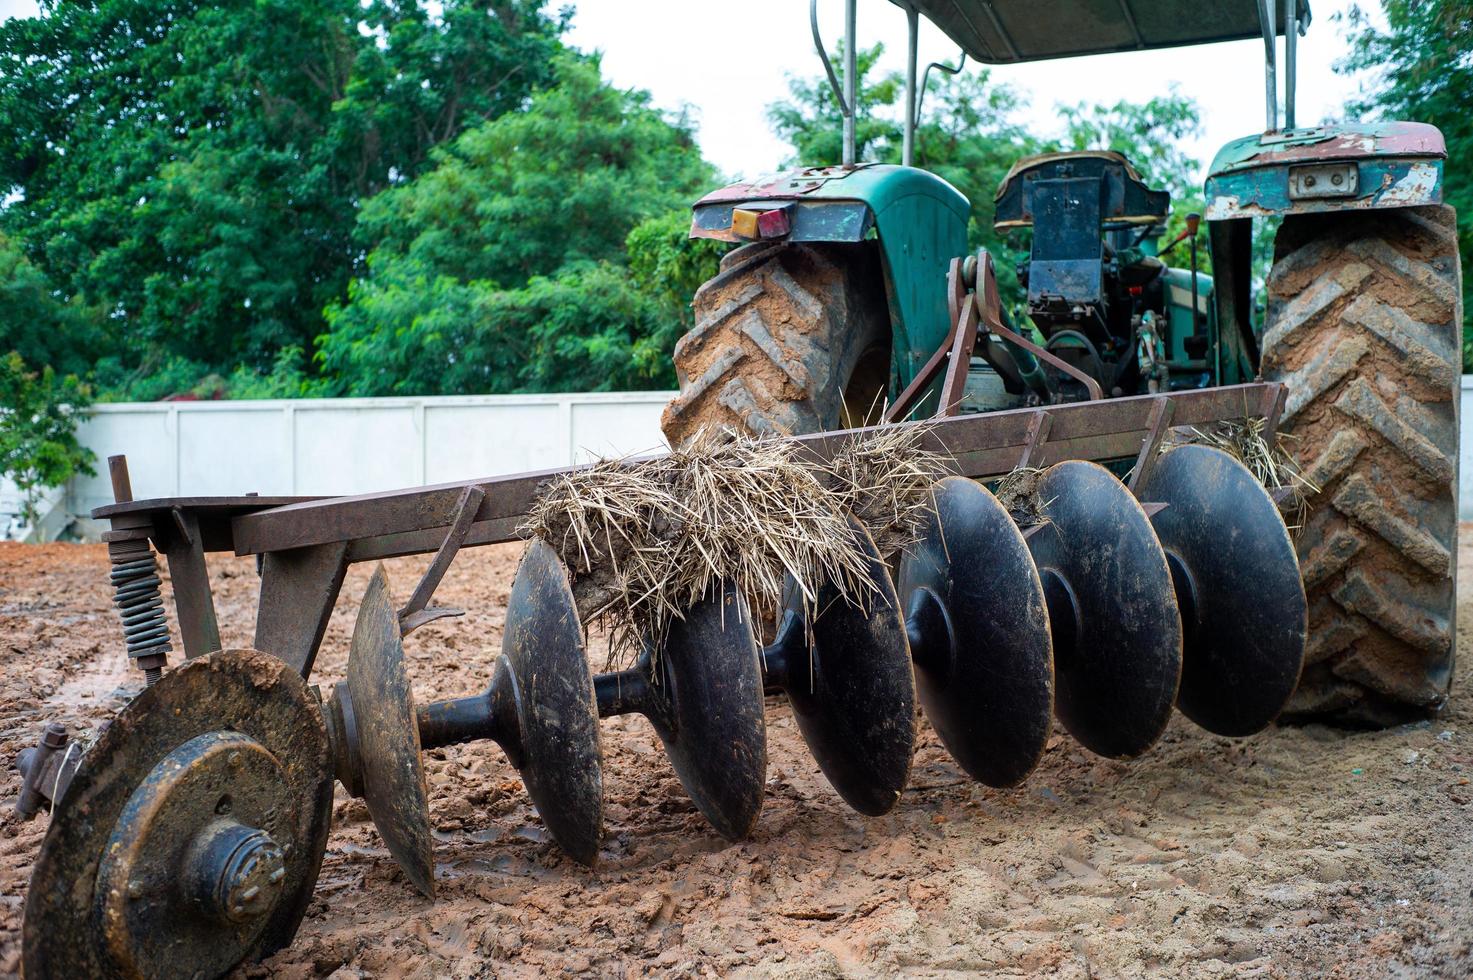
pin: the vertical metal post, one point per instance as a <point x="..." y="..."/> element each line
<point x="117" y="470"/>
<point x="846" y="101"/>
<point x="851" y="69"/>
<point x="907" y="152"/>
<point x="1291" y="43"/>
<point x="1270" y="61"/>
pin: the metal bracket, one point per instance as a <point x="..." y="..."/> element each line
<point x="960" y="361"/>
<point x="1160" y="420"/>
<point x="963" y="320"/>
<point x="1273" y="410"/>
<point x="1038" y="430"/>
<point x="418" y="611"/>
<point x="194" y="601"/>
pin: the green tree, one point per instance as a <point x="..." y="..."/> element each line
<point x="810" y="120"/>
<point x="194" y="169"/>
<point x="1421" y="70"/>
<point x="39" y="411"/>
<point x="1150" y="135"/>
<point x="505" y="267"/>
<point x="38" y="325"/>
<point x="966" y="134"/>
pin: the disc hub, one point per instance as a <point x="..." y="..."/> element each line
<point x="237" y="870"/>
<point x="196" y="858"/>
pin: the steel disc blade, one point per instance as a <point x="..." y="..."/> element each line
<point x="853" y="694"/>
<point x="980" y="635"/>
<point x="1243" y="609"/>
<point x="388" y="735"/>
<point x="544" y="672"/>
<point x="1117" y="632"/>
<point x="709" y="682"/>
<point x="190" y="752"/>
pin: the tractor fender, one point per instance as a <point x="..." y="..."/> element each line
<point x="1340" y="167"/>
<point x="919" y="219"/>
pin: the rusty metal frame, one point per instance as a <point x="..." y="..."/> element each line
<point x="307" y="544"/>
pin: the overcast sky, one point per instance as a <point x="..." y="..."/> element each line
<point x="729" y="59"/>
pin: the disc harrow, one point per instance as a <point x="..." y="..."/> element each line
<point x="192" y="831"/>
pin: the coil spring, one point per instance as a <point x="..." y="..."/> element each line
<point x="136" y="591"/>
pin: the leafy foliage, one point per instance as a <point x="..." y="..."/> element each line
<point x="37" y="324"/>
<point x="504" y="268"/>
<point x="591" y="326"/>
<point x="811" y="122"/>
<point x="530" y="191"/>
<point x="194" y="169"/>
<point x="1422" y="71"/>
<point x="39" y="411"/>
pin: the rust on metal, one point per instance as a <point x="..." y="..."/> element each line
<point x="299" y="587"/>
<point x="388" y="737"/>
<point x="45" y="771"/>
<point x="962" y="322"/>
<point x="984" y="445"/>
<point x="1151" y="444"/>
<point x="192" y="832"/>
<point x="416" y="611"/>
<point x="117" y="471"/>
<point x="199" y="628"/>
<point x="1038" y="430"/>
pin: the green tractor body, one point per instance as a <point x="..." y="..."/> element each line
<point x="918" y="220"/>
<point x="842" y="293"/>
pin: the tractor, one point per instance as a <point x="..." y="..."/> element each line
<point x="837" y="302"/>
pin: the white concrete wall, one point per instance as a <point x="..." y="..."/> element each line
<point x="358" y="445"/>
<point x="1465" y="451"/>
<point x="352" y="445"/>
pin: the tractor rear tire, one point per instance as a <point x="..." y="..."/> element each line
<point x="789" y="339"/>
<point x="1364" y="324"/>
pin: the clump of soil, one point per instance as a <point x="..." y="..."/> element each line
<point x="1019" y="496"/>
<point x="1296" y="852"/>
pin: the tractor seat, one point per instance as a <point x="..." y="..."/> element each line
<point x="1124" y="198"/>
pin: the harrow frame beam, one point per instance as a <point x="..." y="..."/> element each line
<point x="304" y="545"/>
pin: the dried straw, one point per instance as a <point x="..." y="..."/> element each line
<point x="647" y="539"/>
<point x="885" y="478"/>
<point x="1271" y="464"/>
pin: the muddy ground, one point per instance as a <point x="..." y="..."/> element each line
<point x="1298" y="852"/>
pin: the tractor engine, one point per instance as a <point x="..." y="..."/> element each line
<point x="1103" y="299"/>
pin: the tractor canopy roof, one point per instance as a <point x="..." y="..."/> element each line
<point x="1007" y="31"/>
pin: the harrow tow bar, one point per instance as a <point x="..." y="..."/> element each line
<point x="848" y="677"/>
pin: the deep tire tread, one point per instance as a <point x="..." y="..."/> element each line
<point x="1364" y="324"/>
<point x="778" y="333"/>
